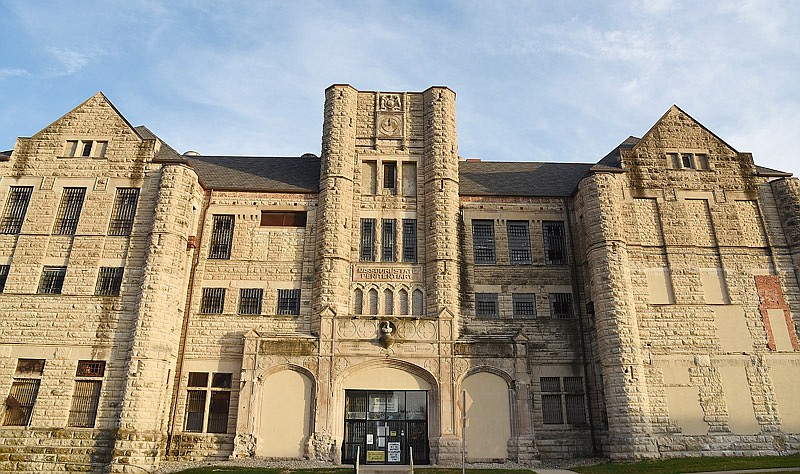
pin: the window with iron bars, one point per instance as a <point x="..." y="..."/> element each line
<point x="519" y="242"/>
<point x="483" y="241"/>
<point x="486" y="305"/>
<point x="86" y="396"/>
<point x="524" y="305"/>
<point x="367" y="253"/>
<point x="250" y="300"/>
<point x="69" y="211"/>
<point x="208" y="398"/>
<point x="109" y="281"/>
<point x="4" y="269"/>
<point x="213" y="301"/>
<point x="24" y="390"/>
<point x="52" y="280"/>
<point x="16" y="207"/>
<point x="221" y="237"/>
<point x="563" y="400"/>
<point x="388" y="240"/>
<point x="561" y="306"/>
<point x="410" y="240"/>
<point x="554" y="245"/>
<point x="289" y="302"/>
<point x="124" y="211"/>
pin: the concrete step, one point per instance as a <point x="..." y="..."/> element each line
<point x="383" y="469"/>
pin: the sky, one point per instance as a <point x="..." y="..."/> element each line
<point x="535" y="80"/>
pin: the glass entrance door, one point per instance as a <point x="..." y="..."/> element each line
<point x="381" y="425"/>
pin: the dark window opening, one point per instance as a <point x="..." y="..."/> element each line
<point x="554" y="246"/>
<point x="289" y="302"/>
<point x="486" y="305"/>
<point x="52" y="280"/>
<point x="213" y="301"/>
<point x="221" y="237"/>
<point x="367" y="253"/>
<point x="250" y="300"/>
<point x="124" y="211"/>
<point x="283" y="219"/>
<point x="519" y="242"/>
<point x="483" y="241"/>
<point x="109" y="281"/>
<point x="69" y="211"/>
<point x="16" y="207"/>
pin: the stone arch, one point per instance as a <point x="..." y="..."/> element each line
<point x="488" y="410"/>
<point x="417" y="302"/>
<point x="358" y="301"/>
<point x="388" y="301"/>
<point x="373" y="301"/>
<point x="285" y="413"/>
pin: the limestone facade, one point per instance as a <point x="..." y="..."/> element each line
<point x="162" y="306"/>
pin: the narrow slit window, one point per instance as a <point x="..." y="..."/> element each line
<point x="410" y="240"/>
<point x="367" y="240"/>
<point x="388" y="240"/>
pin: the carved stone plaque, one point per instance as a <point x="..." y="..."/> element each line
<point x="399" y="273"/>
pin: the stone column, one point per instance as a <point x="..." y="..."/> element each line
<point x="787" y="196"/>
<point x="618" y="342"/>
<point x="523" y="436"/>
<point x="156" y="327"/>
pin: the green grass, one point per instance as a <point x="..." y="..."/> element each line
<point x="253" y="470"/>
<point x="682" y="465"/>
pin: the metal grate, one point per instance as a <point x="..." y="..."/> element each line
<point x="221" y="237"/>
<point x="91" y="368"/>
<point x="289" y="302"/>
<point x="561" y="305"/>
<point x="389" y="175"/>
<point x="109" y="281"/>
<point x="213" y="301"/>
<point x="69" y="211"/>
<point x="195" y="410"/>
<point x="486" y="305"/>
<point x="519" y="242"/>
<point x="551" y="410"/>
<point x="16" y="207"/>
<point x="250" y="300"/>
<point x="483" y="241"/>
<point x="576" y="410"/>
<point x="124" y="211"/>
<point x="388" y="240"/>
<point x="218" y="409"/>
<point x="410" y="240"/>
<point x="83" y="412"/>
<point x="554" y="247"/>
<point x="524" y="305"/>
<point x="367" y="240"/>
<point x="20" y="402"/>
<point x="573" y="384"/>
<point x="4" y="269"/>
<point x="52" y="280"/>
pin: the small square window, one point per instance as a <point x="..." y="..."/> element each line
<point x="486" y="305"/>
<point x="213" y="301"/>
<point x="289" y="302"/>
<point x="52" y="280"/>
<point x="561" y="305"/>
<point x="524" y="305"/>
<point x="109" y="281"/>
<point x="250" y="300"/>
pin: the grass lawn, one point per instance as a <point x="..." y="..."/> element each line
<point x="430" y="470"/>
<point x="681" y="465"/>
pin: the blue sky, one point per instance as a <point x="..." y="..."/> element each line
<point x="540" y="81"/>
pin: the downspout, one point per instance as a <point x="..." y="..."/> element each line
<point x="185" y="324"/>
<point x="579" y="292"/>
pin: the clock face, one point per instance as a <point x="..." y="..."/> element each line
<point x="389" y="125"/>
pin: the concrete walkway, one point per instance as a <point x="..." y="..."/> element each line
<point x="742" y="471"/>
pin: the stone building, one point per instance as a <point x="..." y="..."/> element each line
<point x="159" y="306"/>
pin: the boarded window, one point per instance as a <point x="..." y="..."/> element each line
<point x="483" y="241"/>
<point x="221" y="237"/>
<point x="283" y="219"/>
<point x="369" y="177"/>
<point x="16" y="207"/>
<point x="409" y="178"/>
<point x="69" y="211"/>
<point x="124" y="211"/>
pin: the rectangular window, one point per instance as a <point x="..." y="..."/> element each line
<point x="524" y="305"/>
<point x="519" y="242"/>
<point x="410" y="240"/>
<point x="69" y="211"/>
<point x="4" y="269"/>
<point x="367" y="240"/>
<point x="409" y="178"/>
<point x="24" y="389"/>
<point x="486" y="305"/>
<point x="16" y="207"/>
<point x="283" y="219"/>
<point x="369" y="177"/>
<point x="702" y="161"/>
<point x="687" y="160"/>
<point x="213" y="301"/>
<point x="289" y="302"/>
<point x="86" y="398"/>
<point x="388" y="240"/>
<point x="52" y="280"/>
<point x="109" y="281"/>
<point x="124" y="210"/>
<point x="561" y="305"/>
<point x="86" y="148"/>
<point x="483" y="241"/>
<point x="554" y="246"/>
<point x="213" y="399"/>
<point x="389" y="175"/>
<point x="250" y="300"/>
<point x="221" y="237"/>
<point x="563" y="399"/>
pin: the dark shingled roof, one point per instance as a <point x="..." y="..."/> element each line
<point x="255" y="173"/>
<point x="524" y="178"/>
<point x="764" y="171"/>
<point x="166" y="152"/>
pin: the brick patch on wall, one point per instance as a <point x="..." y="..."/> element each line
<point x="770" y="296"/>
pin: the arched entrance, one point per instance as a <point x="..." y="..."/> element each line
<point x="285" y="420"/>
<point x="488" y="416"/>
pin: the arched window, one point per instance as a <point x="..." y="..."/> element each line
<point x="388" y="301"/>
<point x="417" y="304"/>
<point x="358" y="302"/>
<point x="372" y="300"/>
<point x="403" y="302"/>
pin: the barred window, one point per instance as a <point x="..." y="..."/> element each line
<point x="554" y="246"/>
<point x="124" y="211"/>
<point x="486" y="305"/>
<point x="86" y="397"/>
<point x="24" y="390"/>
<point x="283" y="219"/>
<point x="367" y="240"/>
<point x="4" y="269"/>
<point x="289" y="302"/>
<point x="389" y="175"/>
<point x="208" y="398"/>
<point x="221" y="237"/>
<point x="519" y="242"/>
<point x="52" y="280"/>
<point x="524" y="305"/>
<point x="69" y="211"/>
<point x="16" y="207"/>
<point x="563" y="398"/>
<point x="109" y="281"/>
<point x="250" y="300"/>
<point x="483" y="241"/>
<point x="410" y="240"/>
<point x="561" y="305"/>
<point x="388" y="240"/>
<point x="213" y="301"/>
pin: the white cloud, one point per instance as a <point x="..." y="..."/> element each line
<point x="13" y="72"/>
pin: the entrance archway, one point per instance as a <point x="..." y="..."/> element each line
<point x="285" y="419"/>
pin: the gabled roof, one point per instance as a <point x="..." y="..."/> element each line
<point x="614" y="159"/>
<point x="525" y="178"/>
<point x="675" y="109"/>
<point x="256" y="173"/>
<point x="102" y="97"/>
<point x="165" y="152"/>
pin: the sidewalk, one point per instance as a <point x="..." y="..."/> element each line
<point x="742" y="471"/>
